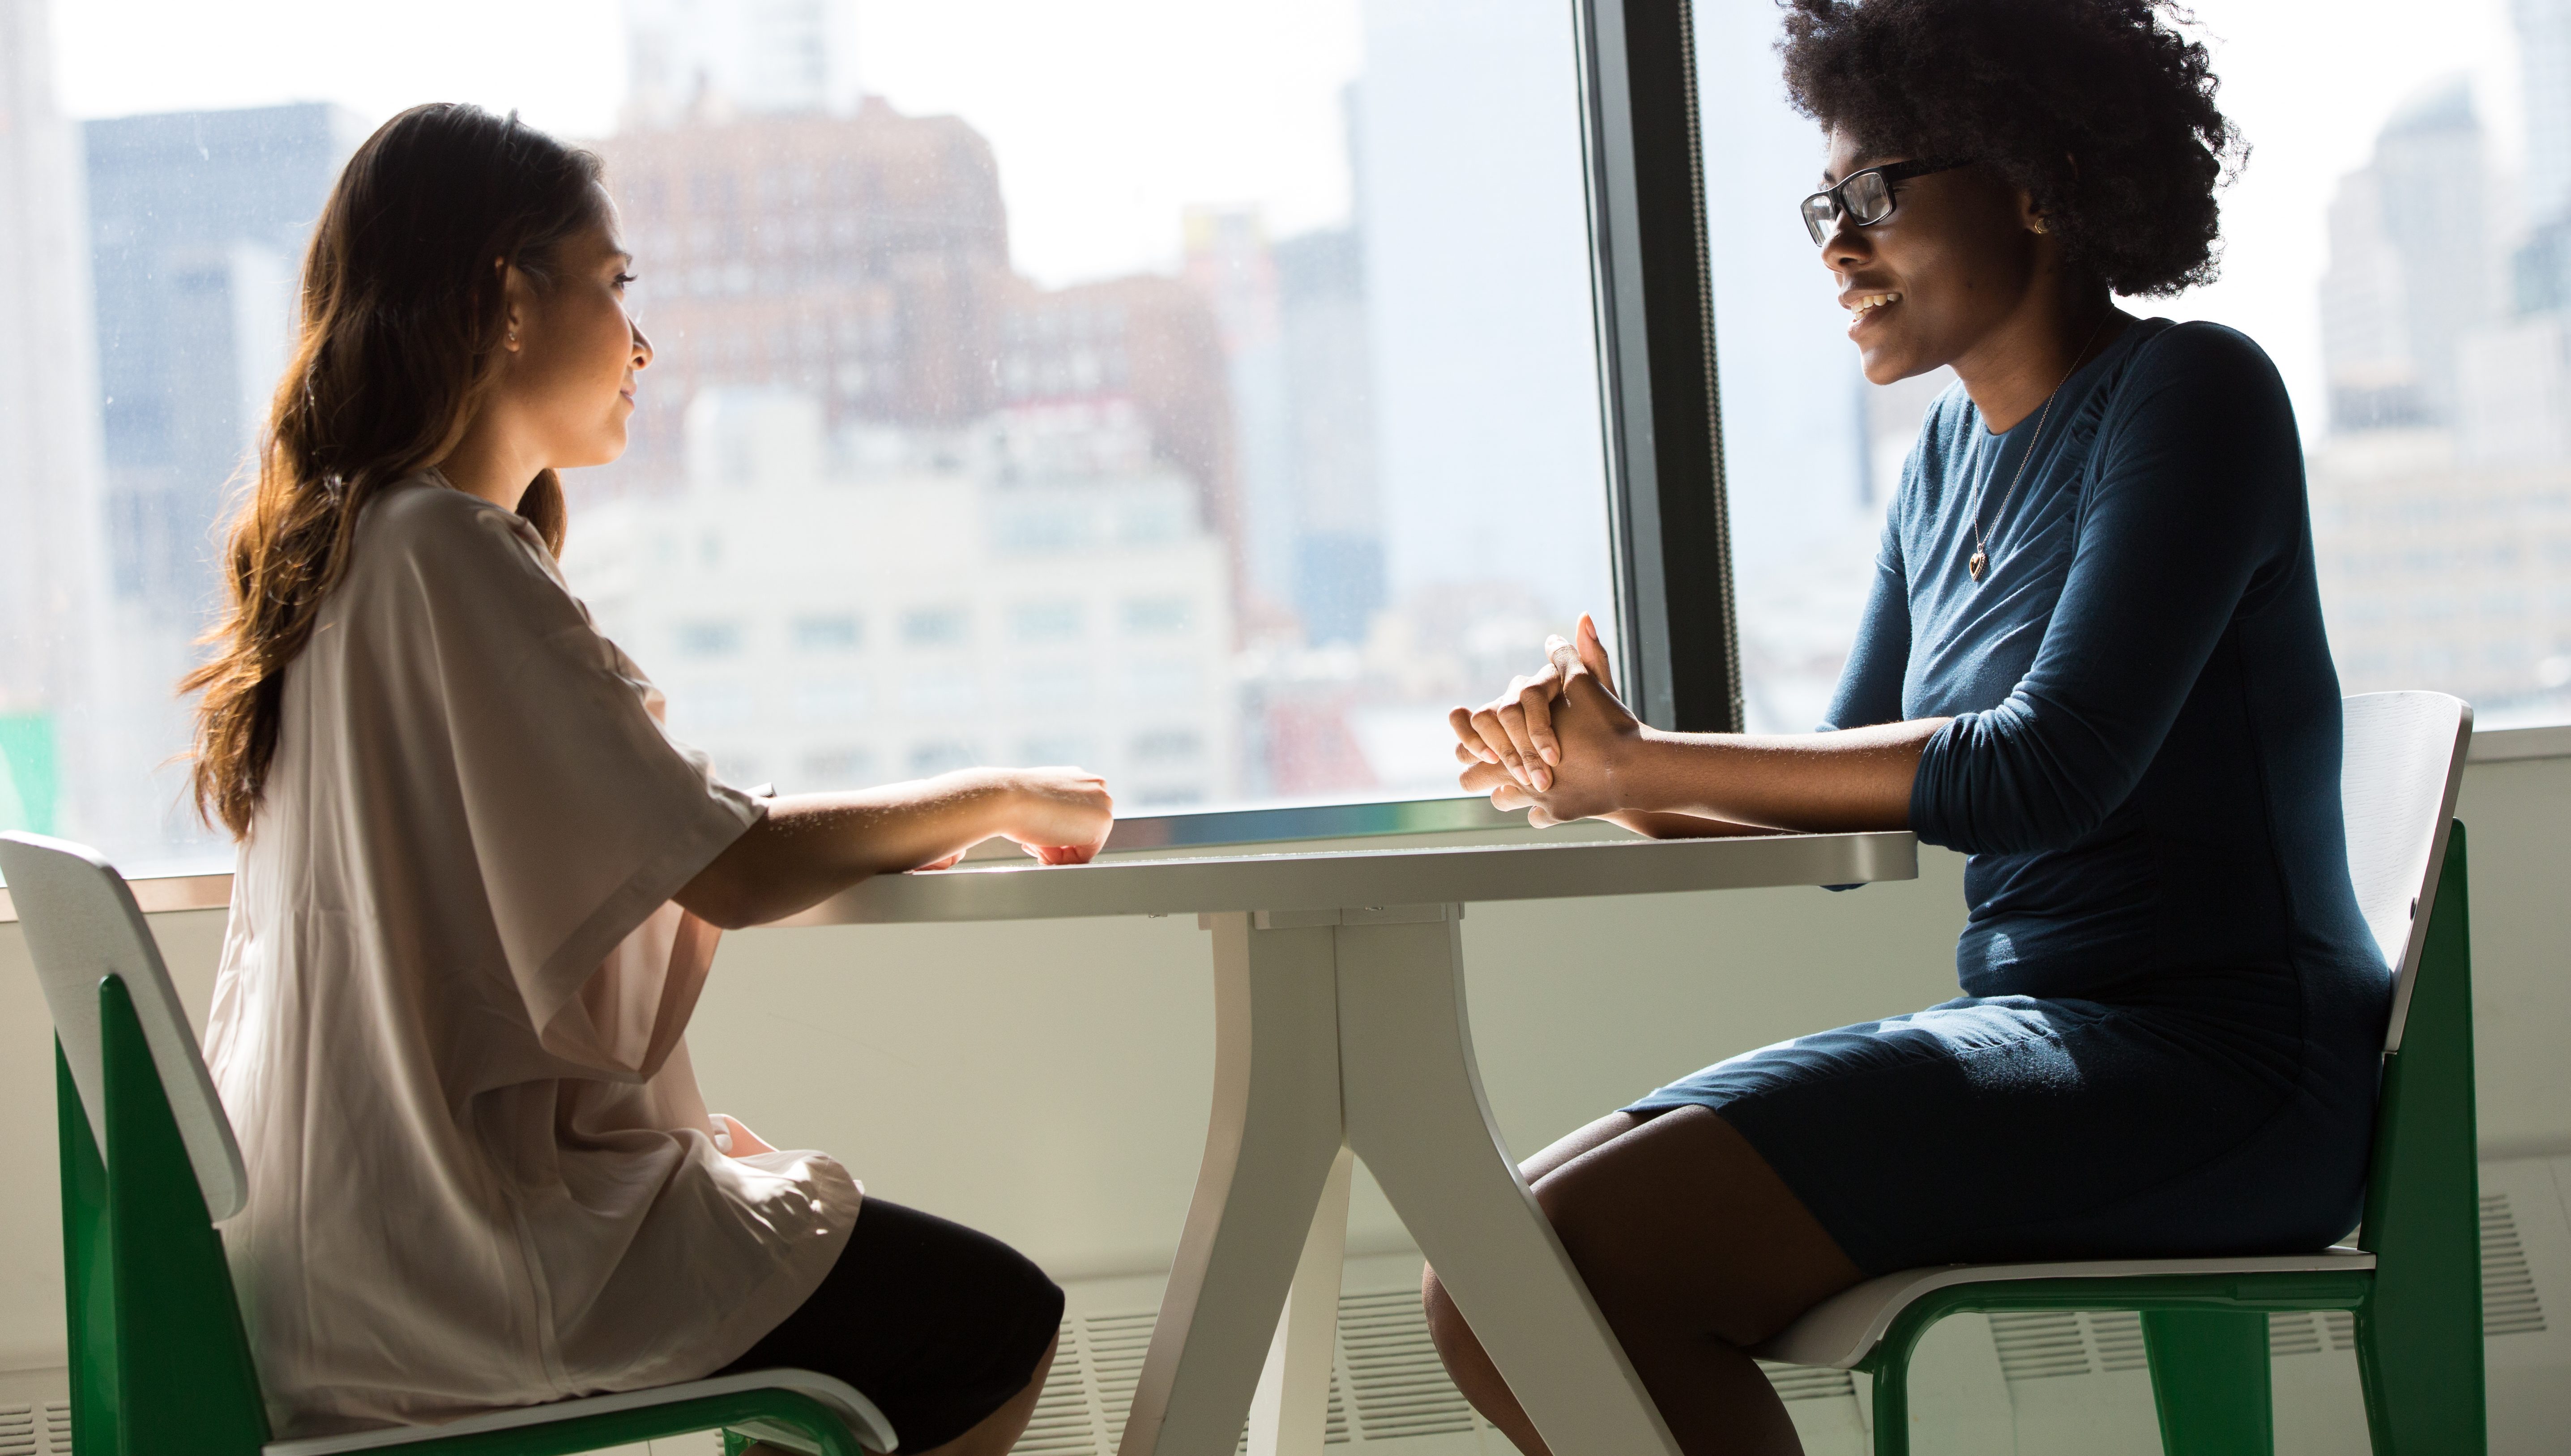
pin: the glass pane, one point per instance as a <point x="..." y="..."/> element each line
<point x="2400" y="243"/>
<point x="1201" y="392"/>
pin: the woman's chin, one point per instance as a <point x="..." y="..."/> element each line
<point x="1889" y="361"/>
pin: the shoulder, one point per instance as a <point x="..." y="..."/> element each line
<point x="424" y="513"/>
<point x="2199" y="356"/>
<point x="429" y="524"/>
<point x="425" y="543"/>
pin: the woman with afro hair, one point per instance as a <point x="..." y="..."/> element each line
<point x="2092" y="661"/>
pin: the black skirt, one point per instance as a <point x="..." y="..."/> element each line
<point x="935" y="1324"/>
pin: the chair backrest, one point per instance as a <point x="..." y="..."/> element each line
<point x="2400" y="767"/>
<point x="82" y="926"/>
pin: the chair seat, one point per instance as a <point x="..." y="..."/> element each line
<point x="1842" y="1330"/>
<point x="867" y="1423"/>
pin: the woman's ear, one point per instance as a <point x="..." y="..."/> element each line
<point x="513" y="301"/>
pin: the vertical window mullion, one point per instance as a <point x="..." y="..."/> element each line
<point x="1655" y="310"/>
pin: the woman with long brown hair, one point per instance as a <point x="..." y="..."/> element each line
<point x="479" y="887"/>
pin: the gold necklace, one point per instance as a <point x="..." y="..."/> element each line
<point x="1981" y="560"/>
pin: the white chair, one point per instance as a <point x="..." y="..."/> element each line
<point x="2413" y="1279"/>
<point x="159" y="1359"/>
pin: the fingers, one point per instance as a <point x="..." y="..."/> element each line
<point x="947" y="863"/>
<point x="1469" y="739"/>
<point x="1506" y="794"/>
<point x="1593" y="653"/>
<point x="1536" y="703"/>
<point x="1494" y="739"/>
<point x="1518" y="718"/>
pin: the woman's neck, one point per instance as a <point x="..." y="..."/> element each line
<point x="491" y="463"/>
<point x="2022" y="362"/>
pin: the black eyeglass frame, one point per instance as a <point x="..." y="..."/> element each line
<point x="1822" y="209"/>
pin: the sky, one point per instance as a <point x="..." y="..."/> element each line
<point x="1108" y="119"/>
<point x="2310" y="83"/>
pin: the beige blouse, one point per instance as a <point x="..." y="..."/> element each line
<point x="447" y="1027"/>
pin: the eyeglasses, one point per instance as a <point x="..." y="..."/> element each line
<point x="1867" y="196"/>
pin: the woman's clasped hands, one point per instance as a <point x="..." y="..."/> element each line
<point x="1554" y="743"/>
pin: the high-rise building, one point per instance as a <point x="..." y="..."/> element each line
<point x="50" y="626"/>
<point x="2442" y="502"/>
<point x="1337" y="534"/>
<point x="863" y="261"/>
<point x="1296" y="351"/>
<point x="1033" y="588"/>
<point x="1147" y="343"/>
<point x="693" y="59"/>
<point x="2410" y="271"/>
<point x="2544" y="59"/>
<point x="198" y="224"/>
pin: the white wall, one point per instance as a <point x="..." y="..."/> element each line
<point x="1048" y="1081"/>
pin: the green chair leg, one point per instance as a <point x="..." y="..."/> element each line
<point x="2419" y="1335"/>
<point x="2210" y="1381"/>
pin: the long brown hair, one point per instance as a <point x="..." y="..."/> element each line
<point x="400" y="341"/>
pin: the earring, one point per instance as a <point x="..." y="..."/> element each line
<point x="513" y="338"/>
<point x="2037" y="228"/>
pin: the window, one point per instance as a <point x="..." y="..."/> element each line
<point x="709" y="638"/>
<point x="2400" y="243"/>
<point x="829" y="632"/>
<point x="1268" y="340"/>
<point x="1045" y="622"/>
<point x="1158" y="615"/>
<point x="937" y="627"/>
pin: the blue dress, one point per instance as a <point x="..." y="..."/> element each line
<point x="2172" y="1018"/>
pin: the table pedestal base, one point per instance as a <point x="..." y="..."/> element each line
<point x="1338" y="1031"/>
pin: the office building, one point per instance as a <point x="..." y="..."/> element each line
<point x="1298" y="355"/>
<point x="198" y="224"/>
<point x="49" y="479"/>
<point x="863" y="261"/>
<point x="829" y="613"/>
<point x="2411" y="267"/>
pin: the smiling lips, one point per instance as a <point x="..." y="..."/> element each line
<point x="1866" y="303"/>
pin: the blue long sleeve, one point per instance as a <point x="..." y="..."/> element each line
<point x="2143" y="762"/>
<point x="2196" y="494"/>
<point x="1869" y="687"/>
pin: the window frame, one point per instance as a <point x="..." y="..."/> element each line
<point x="1669" y="517"/>
<point x="1669" y="530"/>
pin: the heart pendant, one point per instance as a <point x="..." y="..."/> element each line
<point x="1977" y="564"/>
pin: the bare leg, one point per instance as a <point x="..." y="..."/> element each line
<point x="996" y="1432"/>
<point x="1695" y="1249"/>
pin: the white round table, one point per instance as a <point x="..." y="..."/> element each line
<point x="1341" y="1028"/>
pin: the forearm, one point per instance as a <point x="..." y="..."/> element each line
<point x="1854" y="779"/>
<point x="813" y="846"/>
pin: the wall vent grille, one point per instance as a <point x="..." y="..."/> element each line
<point x="1384" y="1356"/>
<point x="2295" y="1333"/>
<point x="1063" y="1424"/>
<point x="2510" y="1304"/>
<point x="1402" y="1387"/>
<point x="1808" y="1382"/>
<point x="36" y="1429"/>
<point x="2048" y="1345"/>
<point x="2117" y="1335"/>
<point x="2039" y="1344"/>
